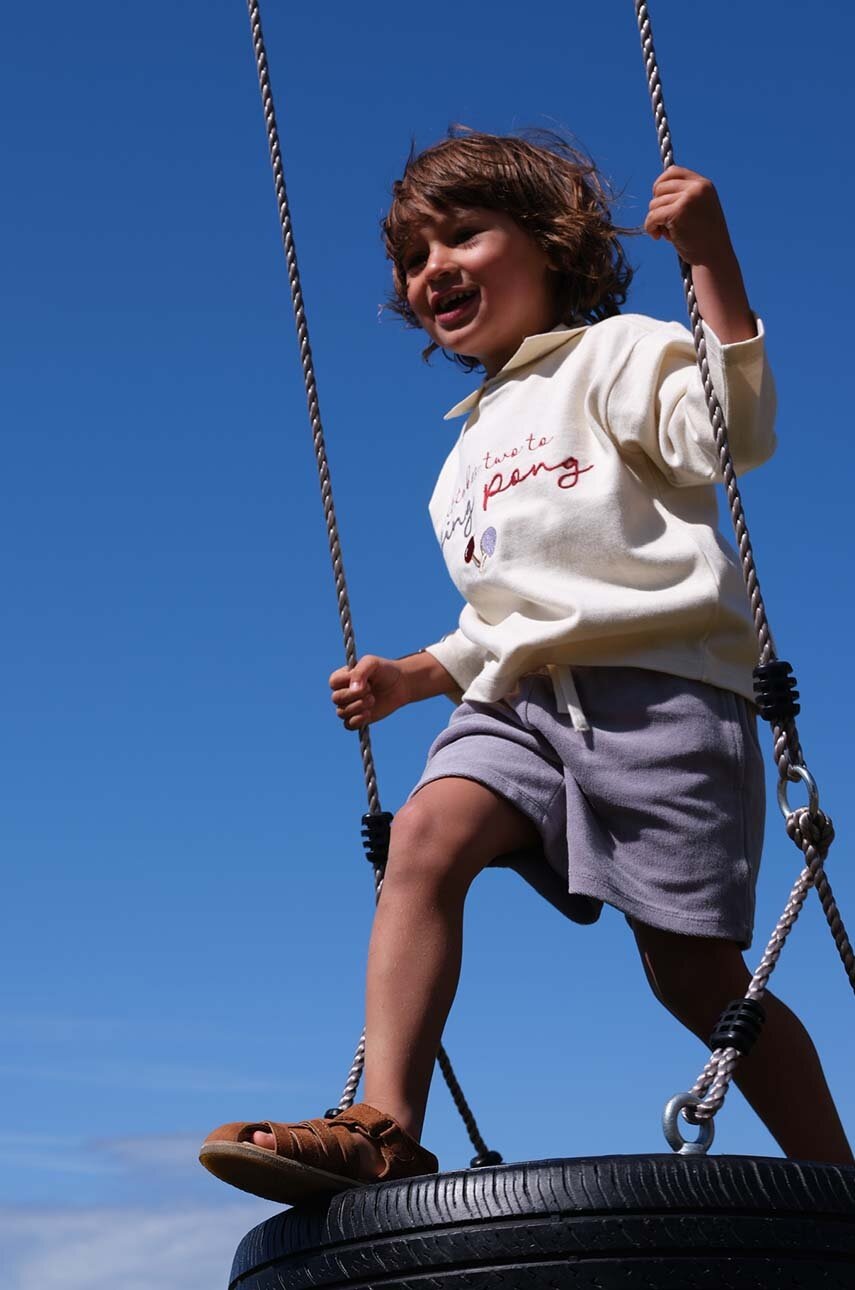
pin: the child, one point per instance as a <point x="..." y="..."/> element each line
<point x="603" y="659"/>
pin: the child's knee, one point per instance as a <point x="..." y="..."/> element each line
<point x="426" y="850"/>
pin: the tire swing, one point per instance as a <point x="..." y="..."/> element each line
<point x="664" y="1222"/>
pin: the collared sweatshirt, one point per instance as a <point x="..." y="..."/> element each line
<point x="577" y="512"/>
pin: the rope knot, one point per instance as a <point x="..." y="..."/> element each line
<point x="811" y="831"/>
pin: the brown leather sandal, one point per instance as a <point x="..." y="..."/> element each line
<point x="313" y="1157"/>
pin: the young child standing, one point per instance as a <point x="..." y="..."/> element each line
<point x="604" y="741"/>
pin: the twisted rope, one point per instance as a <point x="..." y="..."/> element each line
<point x="813" y="835"/>
<point x="716" y="415"/>
<point x="714" y="1080"/>
<point x="342" y="597"/>
<point x="310" y="382"/>
<point x="811" y="831"/>
<point x="458" y="1097"/>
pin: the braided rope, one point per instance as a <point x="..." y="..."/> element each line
<point x="307" y="363"/>
<point x="811" y="831"/>
<point x="345" y="618"/>
<point x="813" y="834"/>
<point x="714" y="1080"/>
<point x="749" y="570"/>
<point x="458" y="1097"/>
<point x="354" y="1075"/>
<point x="481" y="1148"/>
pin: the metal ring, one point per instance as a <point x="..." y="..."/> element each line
<point x="673" y="1134"/>
<point x="802" y="773"/>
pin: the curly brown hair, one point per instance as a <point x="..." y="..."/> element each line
<point x="553" y="191"/>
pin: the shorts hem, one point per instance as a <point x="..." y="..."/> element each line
<point x="496" y="784"/>
<point x="654" y="916"/>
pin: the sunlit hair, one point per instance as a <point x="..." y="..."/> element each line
<point x="552" y="190"/>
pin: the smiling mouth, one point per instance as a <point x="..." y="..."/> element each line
<point x="456" y="307"/>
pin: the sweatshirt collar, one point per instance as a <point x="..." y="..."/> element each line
<point x="532" y="348"/>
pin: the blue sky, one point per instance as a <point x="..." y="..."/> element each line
<point x="186" y="907"/>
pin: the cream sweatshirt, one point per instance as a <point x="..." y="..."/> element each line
<point x="577" y="511"/>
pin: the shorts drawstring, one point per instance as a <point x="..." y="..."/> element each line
<point x="566" y="694"/>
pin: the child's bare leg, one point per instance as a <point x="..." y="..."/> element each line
<point x="440" y="841"/>
<point x="695" y="978"/>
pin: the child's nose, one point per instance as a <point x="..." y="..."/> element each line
<point x="440" y="262"/>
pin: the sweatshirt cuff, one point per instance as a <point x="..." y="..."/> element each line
<point x="459" y="656"/>
<point x="743" y="382"/>
<point x="748" y="356"/>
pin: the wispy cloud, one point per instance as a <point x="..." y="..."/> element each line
<point x="168" y="1224"/>
<point x="173" y="1154"/>
<point x="169" y="1153"/>
<point x="135" y="1248"/>
<point x="44" y="1154"/>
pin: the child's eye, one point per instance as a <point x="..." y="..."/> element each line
<point x="413" y="261"/>
<point x="465" y="234"/>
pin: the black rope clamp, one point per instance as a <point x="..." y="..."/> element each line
<point x="375" y="836"/>
<point x="775" y="692"/>
<point x="486" y="1160"/>
<point x="739" y="1026"/>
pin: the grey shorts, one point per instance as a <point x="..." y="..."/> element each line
<point x="658" y="809"/>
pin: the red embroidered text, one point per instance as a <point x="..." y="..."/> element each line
<point x="569" y="478"/>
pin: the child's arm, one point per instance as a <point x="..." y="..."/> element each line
<point x="686" y="211"/>
<point x="377" y="687"/>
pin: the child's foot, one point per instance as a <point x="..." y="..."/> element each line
<point x="294" y="1162"/>
<point x="369" y="1154"/>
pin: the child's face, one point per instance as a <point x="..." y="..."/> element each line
<point x="478" y="283"/>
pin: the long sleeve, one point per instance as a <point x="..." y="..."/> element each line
<point x="656" y="403"/>
<point x="459" y="656"/>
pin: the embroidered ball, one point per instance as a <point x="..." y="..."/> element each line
<point x="488" y="541"/>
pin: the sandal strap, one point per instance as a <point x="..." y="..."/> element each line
<point x="328" y="1144"/>
<point x="402" y="1155"/>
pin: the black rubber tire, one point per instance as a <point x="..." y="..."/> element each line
<point x="602" y="1223"/>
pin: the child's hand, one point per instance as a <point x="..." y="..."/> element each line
<point x="685" y="209"/>
<point x="687" y="212"/>
<point x="368" y="692"/>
